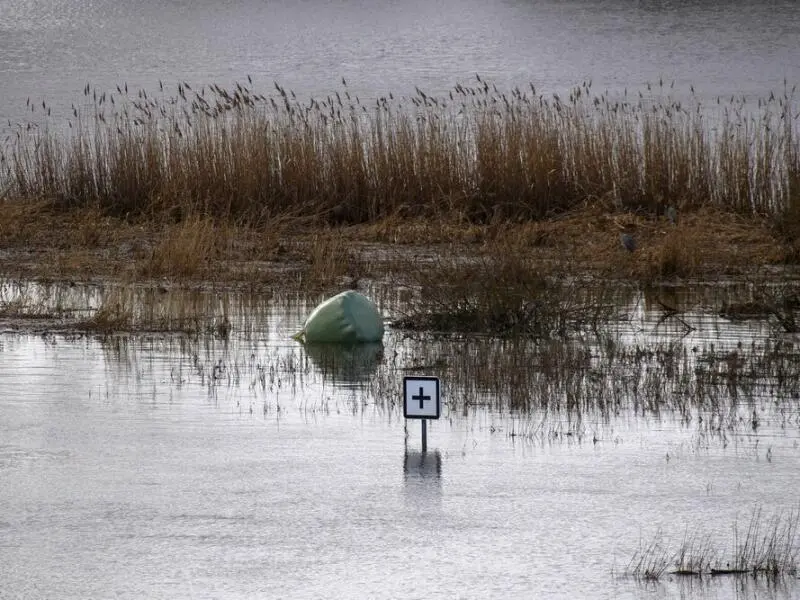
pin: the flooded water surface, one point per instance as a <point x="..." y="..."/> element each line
<point x="50" y="50"/>
<point x="155" y="465"/>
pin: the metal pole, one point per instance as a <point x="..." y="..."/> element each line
<point x="424" y="435"/>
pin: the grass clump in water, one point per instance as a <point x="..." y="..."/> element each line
<point x="191" y="249"/>
<point x="501" y="292"/>
<point x="769" y="547"/>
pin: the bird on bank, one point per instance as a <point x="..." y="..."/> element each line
<point x="672" y="215"/>
<point x="628" y="241"/>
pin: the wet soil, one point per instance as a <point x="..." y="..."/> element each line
<point x="38" y="243"/>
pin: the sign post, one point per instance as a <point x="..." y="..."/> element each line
<point x="421" y="400"/>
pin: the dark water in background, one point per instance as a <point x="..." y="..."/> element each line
<point x="50" y="49"/>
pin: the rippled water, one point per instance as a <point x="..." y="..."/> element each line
<point x="165" y="466"/>
<point x="174" y="466"/>
<point x="50" y="49"/>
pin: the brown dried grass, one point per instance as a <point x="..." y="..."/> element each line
<point x="233" y="185"/>
<point x="189" y="249"/>
<point x="40" y="241"/>
<point x="480" y="155"/>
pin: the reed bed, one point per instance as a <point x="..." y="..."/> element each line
<point x="478" y="154"/>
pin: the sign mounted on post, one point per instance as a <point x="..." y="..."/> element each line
<point x="421" y="398"/>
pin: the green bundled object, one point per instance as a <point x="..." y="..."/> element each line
<point x="347" y="318"/>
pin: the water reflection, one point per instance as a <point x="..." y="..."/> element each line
<point x="422" y="465"/>
<point x="351" y="364"/>
<point x="422" y="478"/>
<point x="633" y="432"/>
<point x="740" y="587"/>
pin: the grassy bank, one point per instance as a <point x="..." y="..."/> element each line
<point x="207" y="180"/>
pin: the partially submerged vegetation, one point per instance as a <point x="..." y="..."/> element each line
<point x="502" y="292"/>
<point x="107" y="310"/>
<point x="768" y="547"/>
<point x="558" y="389"/>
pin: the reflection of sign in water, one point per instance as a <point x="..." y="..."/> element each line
<point x="422" y="465"/>
<point x="422" y="479"/>
<point x="421" y="396"/>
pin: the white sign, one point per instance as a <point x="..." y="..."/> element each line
<point x="421" y="396"/>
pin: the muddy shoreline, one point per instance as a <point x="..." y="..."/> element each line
<point x="39" y="243"/>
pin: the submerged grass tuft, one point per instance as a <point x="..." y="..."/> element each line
<point x="769" y="546"/>
<point x="500" y="292"/>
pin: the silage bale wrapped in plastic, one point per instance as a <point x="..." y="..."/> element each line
<point x="347" y="318"/>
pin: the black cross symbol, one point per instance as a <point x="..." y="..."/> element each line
<point x="422" y="397"/>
